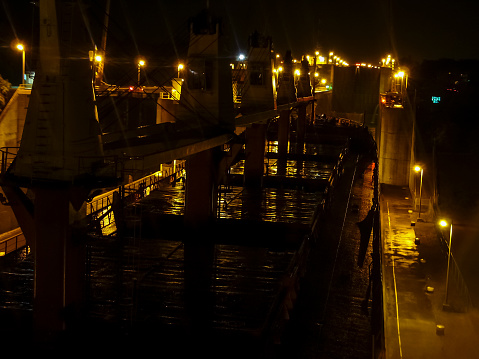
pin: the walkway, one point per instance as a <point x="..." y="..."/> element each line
<point x="414" y="279"/>
<point x="333" y="317"/>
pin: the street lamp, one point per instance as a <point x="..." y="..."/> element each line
<point x="21" y="48"/>
<point x="180" y="67"/>
<point x="399" y="80"/>
<point x="444" y="223"/>
<point x="419" y="169"/>
<point x="140" y="64"/>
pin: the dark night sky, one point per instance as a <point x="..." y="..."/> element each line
<point x="359" y="31"/>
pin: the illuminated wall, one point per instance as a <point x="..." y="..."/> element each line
<point x="396" y="145"/>
<point x="355" y="90"/>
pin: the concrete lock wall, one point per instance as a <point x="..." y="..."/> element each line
<point x="395" y="146"/>
<point x="12" y="119"/>
<point x="356" y="91"/>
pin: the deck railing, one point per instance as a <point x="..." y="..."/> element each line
<point x="12" y="243"/>
<point x="100" y="206"/>
<point x="8" y="155"/>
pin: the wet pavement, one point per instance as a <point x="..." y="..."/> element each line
<point x="417" y="322"/>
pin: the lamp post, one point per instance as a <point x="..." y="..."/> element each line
<point x="140" y="64"/>
<point x="22" y="49"/>
<point x="444" y="223"/>
<point x="180" y="67"/>
<point x="98" y="73"/>
<point x="419" y="169"/>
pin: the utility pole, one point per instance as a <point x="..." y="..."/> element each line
<point x="314" y="89"/>
<point x="101" y="64"/>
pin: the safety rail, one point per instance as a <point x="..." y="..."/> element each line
<point x="25" y="86"/>
<point x="456" y="277"/>
<point x="8" y="155"/>
<point x="12" y="243"/>
<point x="100" y="206"/>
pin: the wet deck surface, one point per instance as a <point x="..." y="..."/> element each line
<point x="334" y="307"/>
<point x="137" y="286"/>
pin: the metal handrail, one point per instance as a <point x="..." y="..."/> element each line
<point x="456" y="274"/>
<point x="12" y="243"/>
<point x="134" y="191"/>
<point x="25" y="86"/>
<point x="8" y="155"/>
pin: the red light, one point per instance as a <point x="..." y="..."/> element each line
<point x="131" y="88"/>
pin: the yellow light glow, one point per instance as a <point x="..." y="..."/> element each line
<point x="417" y="168"/>
<point x="181" y="67"/>
<point x="443" y="223"/>
<point x="98" y="58"/>
<point x="323" y="81"/>
<point x="20" y="47"/>
<point x="297" y="72"/>
<point x="316" y="74"/>
<point x="141" y="63"/>
<point x="280" y="68"/>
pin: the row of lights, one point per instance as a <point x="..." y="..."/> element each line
<point x="321" y="60"/>
<point x="332" y="59"/>
<point x="140" y="63"/>
<point x="388" y="61"/>
<point x="366" y="65"/>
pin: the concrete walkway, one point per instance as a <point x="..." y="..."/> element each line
<point x="414" y="286"/>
